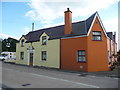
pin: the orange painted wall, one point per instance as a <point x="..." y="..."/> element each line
<point x="97" y="51"/>
<point x="69" y="48"/>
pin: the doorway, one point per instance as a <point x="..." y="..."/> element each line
<point x="31" y="59"/>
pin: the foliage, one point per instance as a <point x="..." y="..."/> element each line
<point x="9" y="45"/>
<point x="115" y="63"/>
<point x="0" y="45"/>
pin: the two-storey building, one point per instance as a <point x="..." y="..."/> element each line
<point x="82" y="46"/>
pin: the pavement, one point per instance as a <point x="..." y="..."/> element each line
<point x="113" y="74"/>
<point x="19" y="76"/>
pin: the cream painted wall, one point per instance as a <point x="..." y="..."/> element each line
<point x="22" y="49"/>
<point x="52" y="48"/>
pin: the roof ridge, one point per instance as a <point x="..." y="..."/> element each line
<point x="45" y="28"/>
<point x="54" y="27"/>
<point x="92" y="15"/>
<point x="79" y="28"/>
<point x="60" y="25"/>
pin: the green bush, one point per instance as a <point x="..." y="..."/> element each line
<point x="116" y="63"/>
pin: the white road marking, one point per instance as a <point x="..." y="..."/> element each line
<point x="66" y="80"/>
<point x="8" y="69"/>
<point x="115" y="78"/>
<point x="91" y="76"/>
<point x="92" y="86"/>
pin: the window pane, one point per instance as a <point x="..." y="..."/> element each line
<point x="21" y="55"/>
<point x="98" y="38"/>
<point x="22" y="43"/>
<point x="81" y="52"/>
<point x="44" y="40"/>
<point x="81" y="56"/>
<point x="43" y="55"/>
<point x="96" y="33"/>
<point x="44" y="37"/>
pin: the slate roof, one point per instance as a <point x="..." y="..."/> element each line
<point x="78" y="29"/>
<point x="110" y="35"/>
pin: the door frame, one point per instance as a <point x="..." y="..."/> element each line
<point x="29" y="57"/>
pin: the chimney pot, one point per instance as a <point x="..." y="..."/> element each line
<point x="68" y="9"/>
<point x="68" y="22"/>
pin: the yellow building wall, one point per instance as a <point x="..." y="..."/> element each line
<point x="52" y="48"/>
<point x="22" y="49"/>
<point x="53" y="53"/>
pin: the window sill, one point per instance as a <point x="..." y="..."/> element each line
<point x="97" y="40"/>
<point x="81" y="61"/>
<point x="43" y="60"/>
<point x="44" y="44"/>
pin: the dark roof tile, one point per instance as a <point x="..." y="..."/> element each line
<point x="110" y="35"/>
<point x="78" y="28"/>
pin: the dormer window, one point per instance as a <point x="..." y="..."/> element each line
<point x="22" y="43"/>
<point x="44" y="40"/>
<point x="97" y="36"/>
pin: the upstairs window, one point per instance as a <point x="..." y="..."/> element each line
<point x="22" y="43"/>
<point x="44" y="40"/>
<point x="43" y="55"/>
<point x="21" y="55"/>
<point x="96" y="35"/>
<point x="81" y="56"/>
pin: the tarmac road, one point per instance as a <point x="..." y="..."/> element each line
<point x="16" y="76"/>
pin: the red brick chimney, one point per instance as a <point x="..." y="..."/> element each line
<point x="68" y="22"/>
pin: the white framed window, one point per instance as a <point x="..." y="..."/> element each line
<point x="22" y="43"/>
<point x="21" y="55"/>
<point x="81" y="56"/>
<point x="44" y="56"/>
<point x="97" y="35"/>
<point x="44" y="40"/>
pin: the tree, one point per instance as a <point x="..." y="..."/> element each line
<point x="9" y="45"/>
<point x="0" y="45"/>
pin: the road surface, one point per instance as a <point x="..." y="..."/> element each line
<point x="16" y="76"/>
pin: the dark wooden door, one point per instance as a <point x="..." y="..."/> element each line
<point x="31" y="59"/>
